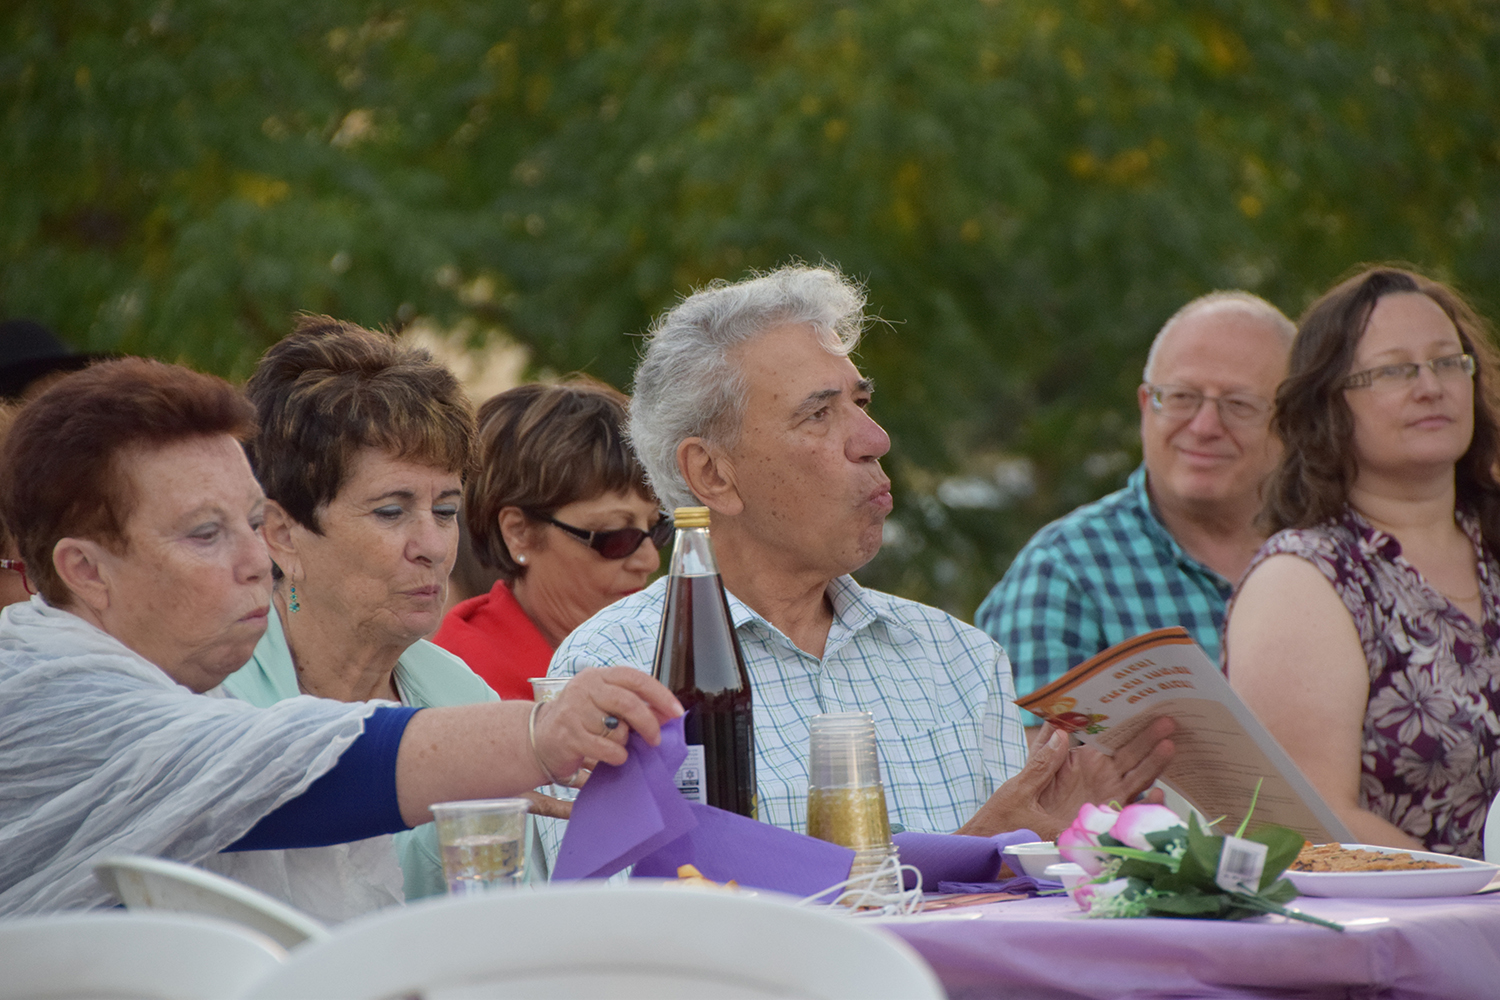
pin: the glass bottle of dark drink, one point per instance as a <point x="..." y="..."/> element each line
<point x="698" y="658"/>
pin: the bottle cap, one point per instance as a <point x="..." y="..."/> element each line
<point x="690" y="517"/>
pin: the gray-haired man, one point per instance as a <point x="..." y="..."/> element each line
<point x="746" y="402"/>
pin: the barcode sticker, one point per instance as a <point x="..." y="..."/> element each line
<point x="1241" y="864"/>
<point x="690" y="776"/>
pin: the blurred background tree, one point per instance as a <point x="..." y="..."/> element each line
<point x="1027" y="188"/>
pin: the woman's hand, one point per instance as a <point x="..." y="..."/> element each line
<point x="575" y="729"/>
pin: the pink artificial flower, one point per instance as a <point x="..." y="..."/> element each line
<point x="1086" y="894"/>
<point x="1074" y="842"/>
<point x="1140" y="819"/>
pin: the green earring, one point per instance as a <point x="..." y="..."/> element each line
<point x="292" y="604"/>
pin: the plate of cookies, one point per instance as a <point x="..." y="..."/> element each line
<point x="1390" y="872"/>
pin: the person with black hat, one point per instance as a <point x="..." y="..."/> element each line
<point x="30" y="351"/>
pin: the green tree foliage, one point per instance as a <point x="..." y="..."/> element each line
<point x="1028" y="188"/>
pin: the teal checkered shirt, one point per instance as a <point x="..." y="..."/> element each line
<point x="1106" y="572"/>
<point x="940" y="691"/>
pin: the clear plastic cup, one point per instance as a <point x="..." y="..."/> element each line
<point x="483" y="842"/>
<point x="546" y="688"/>
<point x="845" y="796"/>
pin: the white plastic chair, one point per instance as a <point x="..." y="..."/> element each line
<point x="163" y="956"/>
<point x="156" y="884"/>
<point x="659" y="942"/>
<point x="1492" y="833"/>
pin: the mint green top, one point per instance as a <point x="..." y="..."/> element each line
<point x="427" y="676"/>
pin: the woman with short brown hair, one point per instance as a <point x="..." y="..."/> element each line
<point x="361" y="448"/>
<point x="559" y="507"/>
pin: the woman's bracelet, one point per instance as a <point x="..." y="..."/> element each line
<point x="536" y="754"/>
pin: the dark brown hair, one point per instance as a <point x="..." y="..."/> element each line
<point x="331" y="389"/>
<point x="61" y="469"/>
<point x="1311" y="483"/>
<point x="542" y="447"/>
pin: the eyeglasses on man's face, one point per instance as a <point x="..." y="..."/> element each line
<point x="18" y="566"/>
<point x="1448" y="368"/>
<point x="618" y="544"/>
<point x="1236" y="409"/>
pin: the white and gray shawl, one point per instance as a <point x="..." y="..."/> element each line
<point x="102" y="753"/>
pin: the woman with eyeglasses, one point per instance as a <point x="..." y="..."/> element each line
<point x="1366" y="634"/>
<point x="560" y="508"/>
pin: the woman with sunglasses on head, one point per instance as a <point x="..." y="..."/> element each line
<point x="1366" y="633"/>
<point x="561" y="509"/>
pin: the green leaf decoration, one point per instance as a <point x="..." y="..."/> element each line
<point x="1199" y="905"/>
<point x="1145" y="870"/>
<point x="1161" y="885"/>
<point x="1201" y="861"/>
<point x="1164" y="839"/>
<point x="1282" y="845"/>
<point x="1280" y="891"/>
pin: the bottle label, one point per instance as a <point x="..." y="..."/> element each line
<point x="690" y="776"/>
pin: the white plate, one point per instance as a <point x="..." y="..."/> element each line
<point x="1470" y="876"/>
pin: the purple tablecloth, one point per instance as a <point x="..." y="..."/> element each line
<point x="1044" y="949"/>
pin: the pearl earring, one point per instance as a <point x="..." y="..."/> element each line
<point x="521" y="560"/>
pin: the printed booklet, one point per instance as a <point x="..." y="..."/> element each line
<point x="1222" y="749"/>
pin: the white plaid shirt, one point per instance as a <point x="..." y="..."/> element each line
<point x="940" y="690"/>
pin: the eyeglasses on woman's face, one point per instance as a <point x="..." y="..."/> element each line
<point x="618" y="544"/>
<point x="1448" y="368"/>
<point x="1236" y="409"/>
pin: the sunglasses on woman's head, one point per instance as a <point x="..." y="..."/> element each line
<point x="617" y="544"/>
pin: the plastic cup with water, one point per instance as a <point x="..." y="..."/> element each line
<point x="483" y="843"/>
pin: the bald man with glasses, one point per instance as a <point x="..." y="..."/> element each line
<point x="1168" y="548"/>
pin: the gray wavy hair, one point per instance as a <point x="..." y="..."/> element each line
<point x="688" y="383"/>
<point x="1245" y="302"/>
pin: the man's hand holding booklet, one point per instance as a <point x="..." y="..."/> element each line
<point x="1222" y="752"/>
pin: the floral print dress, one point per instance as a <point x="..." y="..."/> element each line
<point x="1431" y="745"/>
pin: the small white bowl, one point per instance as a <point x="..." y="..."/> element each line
<point x="1067" y="873"/>
<point x="1033" y="858"/>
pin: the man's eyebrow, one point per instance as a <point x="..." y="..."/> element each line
<point x="865" y="385"/>
<point x="816" y="399"/>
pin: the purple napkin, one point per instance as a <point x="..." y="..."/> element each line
<point x="1021" y="883"/>
<point x="624" y="813"/>
<point x="634" y="815"/>
<point x="952" y="857"/>
<point x="725" y="845"/>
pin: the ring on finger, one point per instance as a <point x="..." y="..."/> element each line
<point x="610" y="725"/>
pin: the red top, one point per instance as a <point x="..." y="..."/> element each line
<point x="499" y="643"/>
